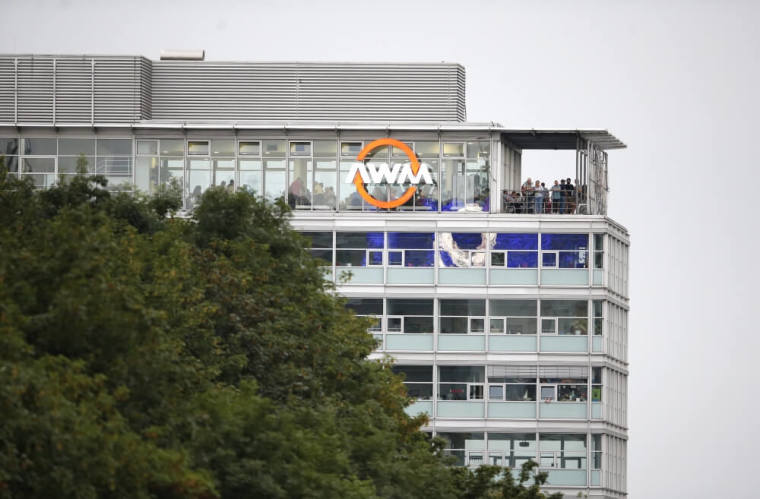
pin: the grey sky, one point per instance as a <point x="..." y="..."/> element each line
<point x="677" y="81"/>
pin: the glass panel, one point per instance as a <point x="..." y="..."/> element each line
<point x="522" y="259"/>
<point x="572" y="393"/>
<point x="38" y="165"/>
<point x="325" y="184"/>
<point x="520" y="392"/>
<point x="146" y="147"/>
<point x="453" y="149"/>
<point x="197" y="148"/>
<point x="10" y="162"/>
<point x="420" y="391"/>
<point x="418" y="324"/>
<point x="299" y="192"/>
<point x="573" y="326"/>
<point x="8" y="146"/>
<point x="564" y="308"/>
<point x="351" y="258"/>
<point x="415" y="373"/>
<point x="508" y="241"/>
<point x="71" y="164"/>
<point x="251" y="175"/>
<point x="350" y="148"/>
<point x="410" y="307"/>
<point x="453" y="325"/>
<point x="47" y="147"/>
<point x="524" y="308"/>
<point x="410" y="240"/>
<point x="325" y="148"/>
<point x="427" y="149"/>
<point x="521" y="325"/>
<point x="498" y="259"/>
<point x="462" y="374"/>
<point x="223" y="147"/>
<point x="452" y="185"/>
<point x="300" y="148"/>
<point x="359" y="240"/>
<point x="75" y="147"/>
<point x="172" y="147"/>
<point x="547" y="392"/>
<point x="463" y="307"/>
<point x="573" y="259"/>
<point x="368" y="306"/>
<point x="481" y="149"/>
<point x="274" y="148"/>
<point x="319" y="239"/>
<point x="548" y="259"/>
<point x="249" y="148"/>
<point x="114" y="147"/>
<point x="146" y="173"/>
<point x="564" y="241"/>
<point x="452" y="391"/>
<point x="496" y="326"/>
<point x="274" y="179"/>
<point x="548" y="326"/>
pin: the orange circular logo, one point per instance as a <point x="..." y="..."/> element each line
<point x="414" y="164"/>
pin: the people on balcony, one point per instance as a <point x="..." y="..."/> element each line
<point x="535" y="198"/>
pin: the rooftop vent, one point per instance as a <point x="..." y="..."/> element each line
<point x="183" y="55"/>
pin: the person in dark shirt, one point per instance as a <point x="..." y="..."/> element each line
<point x="569" y="196"/>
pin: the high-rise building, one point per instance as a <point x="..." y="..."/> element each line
<point x="504" y="304"/>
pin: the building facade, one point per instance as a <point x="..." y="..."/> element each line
<point x="507" y="313"/>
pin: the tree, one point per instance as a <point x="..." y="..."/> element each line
<point x="150" y="356"/>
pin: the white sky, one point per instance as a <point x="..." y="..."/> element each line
<point x="676" y="81"/>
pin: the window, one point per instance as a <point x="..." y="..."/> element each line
<point x="301" y="177"/>
<point x="562" y="450"/>
<point x="512" y="383"/>
<point x="300" y="148"/>
<point x="274" y="148"/>
<point x="9" y="153"/>
<point x="598" y="306"/>
<point x="410" y="316"/>
<point x="511" y="449"/>
<point x="249" y="148"/>
<point x="368" y="307"/>
<point x="147" y="148"/>
<point x="223" y="147"/>
<point x="512" y="316"/>
<point x="564" y="384"/>
<point x="172" y="147"/>
<point x="359" y="249"/>
<point x="411" y="249"/>
<point x="197" y="148"/>
<point x="418" y="380"/>
<point x="567" y="251"/>
<point x="462" y="316"/>
<point x="468" y="449"/>
<point x="274" y="178"/>
<point x="75" y="156"/>
<point x="598" y="251"/>
<point x="198" y="179"/>
<point x="114" y="160"/>
<point x="350" y="148"/>
<point x="462" y="249"/>
<point x="596" y="384"/>
<point x="596" y="451"/>
<point x="321" y="245"/>
<point x="40" y="147"/>
<point x="514" y="250"/>
<point x="460" y="383"/>
<point x="565" y="317"/>
<point x="252" y="175"/>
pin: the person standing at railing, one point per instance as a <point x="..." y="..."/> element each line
<point x="556" y="197"/>
<point x="570" y="196"/>
<point x="527" y="195"/>
<point x="538" y="198"/>
<point x="563" y="196"/>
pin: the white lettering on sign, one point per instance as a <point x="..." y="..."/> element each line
<point x="400" y="173"/>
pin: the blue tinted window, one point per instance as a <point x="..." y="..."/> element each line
<point x="516" y="241"/>
<point x="468" y="240"/>
<point x="394" y="258"/>
<point x="549" y="260"/>
<point x="419" y="259"/>
<point x="573" y="259"/>
<point x="564" y="241"/>
<point x="410" y="240"/>
<point x="446" y="259"/>
<point x="359" y="240"/>
<point x="375" y="257"/>
<point x="528" y="259"/>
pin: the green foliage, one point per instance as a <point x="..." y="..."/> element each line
<point x="146" y="356"/>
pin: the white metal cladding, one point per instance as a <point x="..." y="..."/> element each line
<point x="35" y="90"/>
<point x="7" y="90"/>
<point x="118" y="85"/>
<point x="512" y="371"/>
<point x="255" y="91"/>
<point x="73" y="89"/>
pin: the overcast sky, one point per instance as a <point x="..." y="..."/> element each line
<point x="676" y="81"/>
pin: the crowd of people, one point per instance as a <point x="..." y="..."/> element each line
<point x="535" y="197"/>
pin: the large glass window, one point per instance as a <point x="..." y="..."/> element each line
<point x="462" y="249"/>
<point x="467" y="448"/>
<point x="515" y="250"/>
<point x="411" y="249"/>
<point x="321" y="245"/>
<point x="512" y="316"/>
<point x="562" y="450"/>
<point x="564" y="384"/>
<point x="512" y="384"/>
<point x="418" y="380"/>
<point x="359" y="249"/>
<point x="511" y="449"/>
<point x="411" y="315"/>
<point x="598" y="251"/>
<point x="274" y="179"/>
<point x="598" y="310"/>
<point x="9" y="153"/>
<point x="461" y="382"/>
<point x="567" y="317"/>
<point x="325" y="175"/>
<point x="569" y="251"/>
<point x="368" y="307"/>
<point x="464" y="176"/>
<point x="462" y="316"/>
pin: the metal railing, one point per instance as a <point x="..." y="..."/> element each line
<point x="566" y="202"/>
